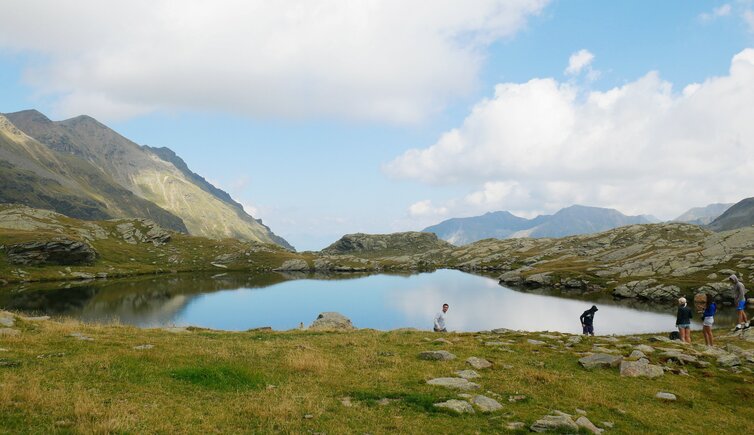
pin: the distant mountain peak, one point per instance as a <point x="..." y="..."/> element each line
<point x="571" y="220"/>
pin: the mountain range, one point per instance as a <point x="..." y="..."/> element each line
<point x="81" y="168"/>
<point x="702" y="215"/>
<point x="573" y="220"/>
<point x="739" y="215"/>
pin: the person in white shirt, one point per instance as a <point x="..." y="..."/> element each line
<point x="440" y="319"/>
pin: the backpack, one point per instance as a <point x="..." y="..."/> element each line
<point x="675" y="335"/>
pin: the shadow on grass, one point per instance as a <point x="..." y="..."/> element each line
<point x="219" y="377"/>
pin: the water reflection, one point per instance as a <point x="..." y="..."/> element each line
<point x="282" y="301"/>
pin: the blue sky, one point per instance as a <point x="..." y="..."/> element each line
<point x="319" y="148"/>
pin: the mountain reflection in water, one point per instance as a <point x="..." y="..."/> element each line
<point x="282" y="301"/>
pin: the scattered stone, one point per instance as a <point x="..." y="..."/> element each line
<point x="640" y="368"/>
<point x="51" y="355"/>
<point x="436" y="355"/>
<point x="467" y="374"/>
<point x="80" y="336"/>
<point x="486" y="404"/>
<point x="660" y="338"/>
<point x="331" y="321"/>
<point x="644" y="348"/>
<point x="588" y="425"/>
<point x="457" y="383"/>
<point x="465" y="395"/>
<point x="495" y="343"/>
<point x="600" y="360"/>
<point x="580" y="411"/>
<point x="297" y="265"/>
<point x="576" y="339"/>
<point x="637" y="354"/>
<point x="515" y="425"/>
<point x="346" y="401"/>
<point x="82" y="275"/>
<point x="535" y="342"/>
<point x="608" y="424"/>
<point x="442" y="340"/>
<point x="7" y="319"/>
<point x="553" y="422"/>
<point x="600" y="349"/>
<point x="478" y="363"/>
<point x="459" y="406"/>
<point x="666" y="396"/>
<point x="144" y="346"/>
<point x="308" y="416"/>
<point x="9" y="332"/>
<point x="516" y="398"/>
<point x="729" y="360"/>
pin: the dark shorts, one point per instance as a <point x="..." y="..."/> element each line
<point x="742" y="305"/>
<point x="588" y="329"/>
<point x="441" y="330"/>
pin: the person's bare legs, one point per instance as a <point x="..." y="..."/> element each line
<point x="707" y="330"/>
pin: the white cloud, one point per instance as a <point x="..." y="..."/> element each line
<point x="426" y="209"/>
<point x="391" y="60"/>
<point x="720" y="11"/>
<point x="578" y="61"/>
<point x="640" y="147"/>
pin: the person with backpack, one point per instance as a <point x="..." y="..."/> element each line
<point x="739" y="293"/>
<point x="683" y="320"/>
<point x="710" y="309"/>
<point x="587" y="320"/>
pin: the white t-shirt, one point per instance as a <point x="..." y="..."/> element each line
<point x="440" y="320"/>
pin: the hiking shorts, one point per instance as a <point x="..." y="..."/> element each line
<point x="684" y="326"/>
<point x="741" y="305"/>
<point x="589" y="329"/>
<point x="709" y="321"/>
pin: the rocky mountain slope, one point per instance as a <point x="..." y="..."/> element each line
<point x="155" y="175"/>
<point x="738" y="215"/>
<point x="577" y="219"/>
<point x="702" y="215"/>
<point x="35" y="175"/>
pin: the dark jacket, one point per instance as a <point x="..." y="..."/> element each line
<point x="684" y="316"/>
<point x="587" y="318"/>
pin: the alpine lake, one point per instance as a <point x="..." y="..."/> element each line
<point x="282" y="301"/>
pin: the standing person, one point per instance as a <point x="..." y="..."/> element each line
<point x="440" y="319"/>
<point x="683" y="320"/>
<point x="587" y="320"/>
<point x="739" y="292"/>
<point x="709" y="319"/>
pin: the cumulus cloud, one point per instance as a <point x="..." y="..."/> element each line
<point x="390" y="60"/>
<point x="642" y="147"/>
<point x="578" y="61"/>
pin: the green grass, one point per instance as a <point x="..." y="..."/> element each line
<point x="219" y="377"/>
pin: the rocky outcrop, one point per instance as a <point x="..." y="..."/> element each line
<point x="647" y="289"/>
<point x="58" y="252"/>
<point x="143" y="231"/>
<point x="386" y="244"/>
<point x="331" y="321"/>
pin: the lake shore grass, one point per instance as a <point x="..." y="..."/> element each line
<point x="63" y="376"/>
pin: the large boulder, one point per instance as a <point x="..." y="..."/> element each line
<point x="640" y="368"/>
<point x="295" y="265"/>
<point x="58" y="251"/>
<point x="407" y="243"/>
<point x="600" y="360"/>
<point x="331" y="321"/>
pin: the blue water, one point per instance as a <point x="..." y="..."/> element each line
<point x="377" y="301"/>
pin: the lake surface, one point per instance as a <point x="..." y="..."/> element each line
<point x="283" y="301"/>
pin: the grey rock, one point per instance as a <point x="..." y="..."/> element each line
<point x="553" y="422"/>
<point x="144" y="347"/>
<point x="640" y="368"/>
<point x="467" y="374"/>
<point x="588" y="425"/>
<point x="515" y="425"/>
<point x="535" y="342"/>
<point x="637" y="354"/>
<point x="442" y="340"/>
<point x="296" y="265"/>
<point x="59" y="251"/>
<point x="459" y="406"/>
<point x="436" y="355"/>
<point x="644" y="348"/>
<point x="478" y="363"/>
<point x="331" y="321"/>
<point x="666" y="396"/>
<point x="600" y="360"/>
<point x="7" y="319"/>
<point x="457" y="383"/>
<point x="486" y="404"/>
<point x="576" y="339"/>
<point x="729" y="360"/>
<point x="82" y="275"/>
